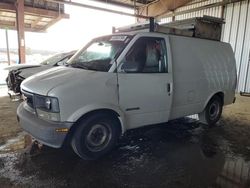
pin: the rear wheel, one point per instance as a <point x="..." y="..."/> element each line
<point x="95" y="136"/>
<point x="212" y="112"/>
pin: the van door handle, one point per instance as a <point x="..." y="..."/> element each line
<point x="169" y="88"/>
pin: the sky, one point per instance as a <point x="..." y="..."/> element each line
<point x="71" y="34"/>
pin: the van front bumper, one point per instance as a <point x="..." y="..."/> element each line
<point x="43" y="131"/>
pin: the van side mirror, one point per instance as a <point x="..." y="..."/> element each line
<point x="63" y="62"/>
<point x="130" y="67"/>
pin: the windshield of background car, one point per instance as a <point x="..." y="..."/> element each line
<point x="54" y="59"/>
<point x="100" y="54"/>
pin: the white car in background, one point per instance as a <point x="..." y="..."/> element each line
<point x="17" y="73"/>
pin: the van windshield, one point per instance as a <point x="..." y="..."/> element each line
<point x="99" y="55"/>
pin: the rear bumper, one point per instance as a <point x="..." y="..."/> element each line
<point x="43" y="131"/>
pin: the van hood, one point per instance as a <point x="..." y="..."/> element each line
<point x="42" y="82"/>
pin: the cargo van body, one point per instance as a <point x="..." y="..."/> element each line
<point x="149" y="78"/>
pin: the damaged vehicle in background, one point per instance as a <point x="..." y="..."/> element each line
<point x="17" y="73"/>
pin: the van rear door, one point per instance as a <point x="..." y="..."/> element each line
<point x="145" y="82"/>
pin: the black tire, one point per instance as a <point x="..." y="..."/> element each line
<point x="212" y="112"/>
<point x="95" y="136"/>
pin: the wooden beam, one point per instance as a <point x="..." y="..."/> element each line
<point x="33" y="11"/>
<point x="97" y="8"/>
<point x="117" y="3"/>
<point x="7" y="16"/>
<point x="4" y="24"/>
<point x="20" y="30"/>
<point x="52" y="23"/>
<point x="7" y="45"/>
<point x="34" y="23"/>
<point x="147" y="5"/>
<point x="8" y="7"/>
<point x="27" y="28"/>
<point x="38" y="12"/>
<point x="44" y="12"/>
<point x="161" y="6"/>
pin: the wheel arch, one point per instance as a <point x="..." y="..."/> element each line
<point x="107" y="111"/>
<point x="211" y="118"/>
<point x="117" y="115"/>
<point x="219" y="94"/>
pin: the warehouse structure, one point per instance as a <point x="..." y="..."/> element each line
<point x="29" y="15"/>
<point x="185" y="153"/>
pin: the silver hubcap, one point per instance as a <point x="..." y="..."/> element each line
<point x="214" y="110"/>
<point x="98" y="137"/>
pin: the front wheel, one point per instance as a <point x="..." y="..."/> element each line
<point x="212" y="112"/>
<point x="95" y="136"/>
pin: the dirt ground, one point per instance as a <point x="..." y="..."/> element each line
<point x="182" y="153"/>
<point x="8" y="122"/>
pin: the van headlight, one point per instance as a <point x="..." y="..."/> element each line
<point x="47" y="107"/>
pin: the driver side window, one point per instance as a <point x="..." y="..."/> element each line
<point x="147" y="55"/>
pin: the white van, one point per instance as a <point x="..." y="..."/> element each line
<point x="124" y="81"/>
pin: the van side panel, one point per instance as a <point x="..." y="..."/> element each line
<point x="201" y="68"/>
